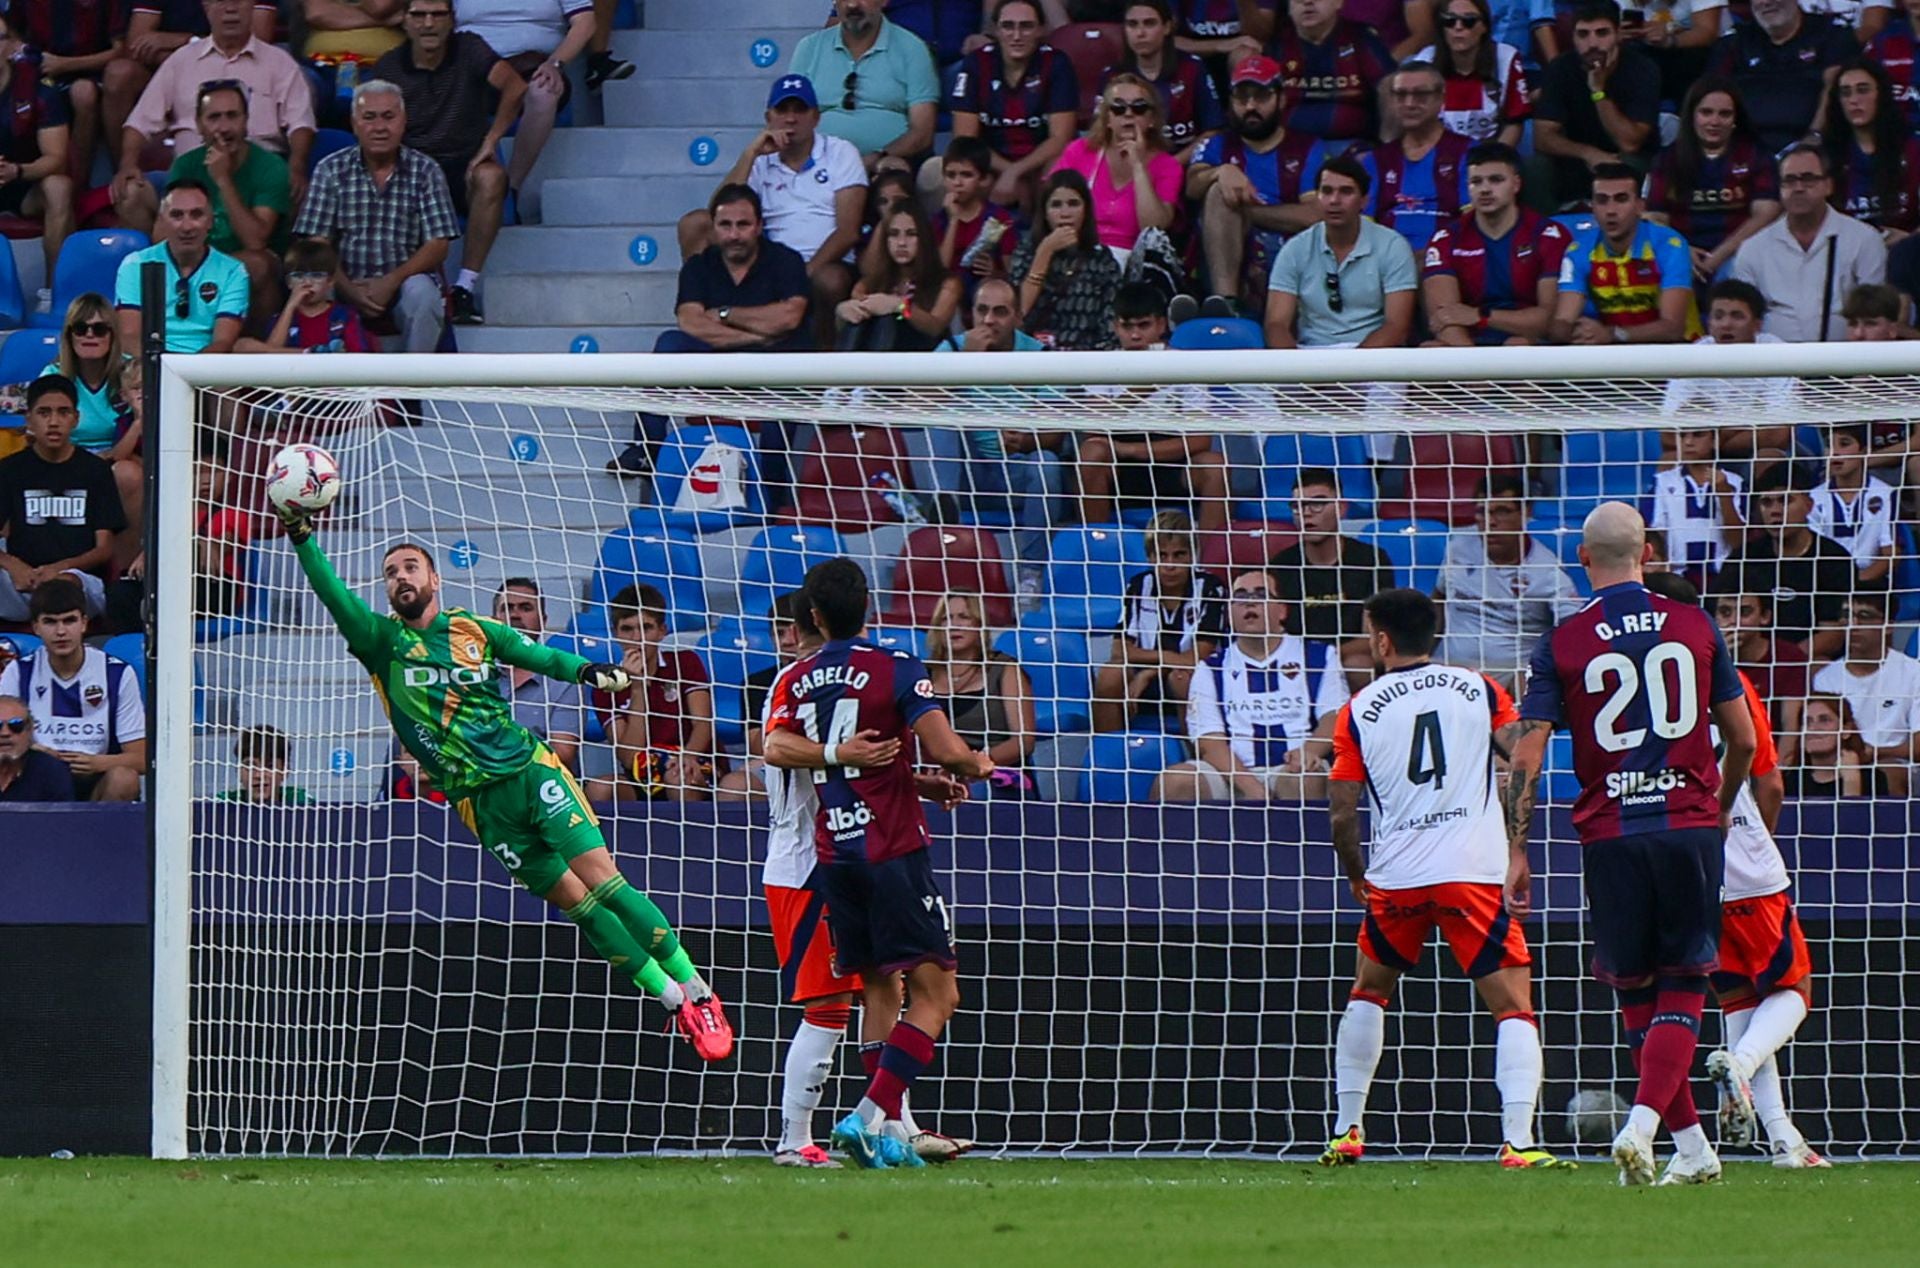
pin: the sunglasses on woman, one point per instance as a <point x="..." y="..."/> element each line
<point x="1130" y="105"/>
<point x="1451" y="20"/>
<point x="97" y="329"/>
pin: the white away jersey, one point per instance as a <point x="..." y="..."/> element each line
<point x="1863" y="523"/>
<point x="1754" y="867"/>
<point x="791" y="807"/>
<point x="1421" y="739"/>
<point x="1265" y="707"/>
<point x="98" y="710"/>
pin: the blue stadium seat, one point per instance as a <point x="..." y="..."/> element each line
<point x="1905" y="575"/>
<point x="589" y="622"/>
<point x="1281" y="458"/>
<point x="1087" y="578"/>
<point x="899" y="638"/>
<point x="682" y="448"/>
<point x="13" y="300"/>
<point x="777" y="560"/>
<point x="666" y="559"/>
<point x="1217" y="333"/>
<point x="735" y="650"/>
<point x="1122" y="765"/>
<point x="329" y="141"/>
<point x="22" y="357"/>
<point x="22" y="644"/>
<point x="89" y="261"/>
<point x="1563" y="786"/>
<point x="131" y="648"/>
<point x="1416" y="547"/>
<point x="1598" y="466"/>
<point x="1056" y="664"/>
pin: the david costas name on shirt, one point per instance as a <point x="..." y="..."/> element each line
<point x="1393" y="689"/>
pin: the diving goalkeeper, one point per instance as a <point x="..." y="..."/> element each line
<point x="436" y="672"/>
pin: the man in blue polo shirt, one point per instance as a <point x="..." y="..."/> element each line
<point x="27" y="774"/>
<point x="206" y="290"/>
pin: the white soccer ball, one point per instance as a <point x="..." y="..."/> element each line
<point x="1595" y="1116"/>
<point x="303" y="478"/>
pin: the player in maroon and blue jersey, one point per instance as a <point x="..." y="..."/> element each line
<point x="1492" y="274"/>
<point x="1021" y="95"/>
<point x="1331" y="72"/>
<point x="885" y="912"/>
<point x="1640" y="681"/>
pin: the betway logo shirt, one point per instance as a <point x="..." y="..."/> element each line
<point x="98" y="710"/>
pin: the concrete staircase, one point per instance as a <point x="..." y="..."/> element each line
<point x="670" y="132"/>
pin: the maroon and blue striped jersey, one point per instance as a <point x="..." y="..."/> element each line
<point x="1860" y="195"/>
<point x="1013" y="117"/>
<point x="31" y="106"/>
<point x="68" y="28"/>
<point x="847" y="687"/>
<point x="1331" y="89"/>
<point x="1502" y="272"/>
<point x="1633" y="676"/>
<point x="1722" y="195"/>
<point x="1898" y="52"/>
<point x="1189" y="104"/>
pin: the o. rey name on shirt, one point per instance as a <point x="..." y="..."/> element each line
<point x="50" y="506"/>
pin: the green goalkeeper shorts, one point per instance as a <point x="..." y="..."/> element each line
<point x="533" y="821"/>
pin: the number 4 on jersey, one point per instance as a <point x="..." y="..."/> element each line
<point x="1427" y="756"/>
<point x="840" y="729"/>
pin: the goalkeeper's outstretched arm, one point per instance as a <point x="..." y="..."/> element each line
<point x="357" y="622"/>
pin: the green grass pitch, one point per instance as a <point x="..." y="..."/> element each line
<point x="977" y="1211"/>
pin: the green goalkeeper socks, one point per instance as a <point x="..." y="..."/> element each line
<point x="631" y="933"/>
<point x="645" y="922"/>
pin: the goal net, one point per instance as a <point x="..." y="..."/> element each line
<point x="1154" y="949"/>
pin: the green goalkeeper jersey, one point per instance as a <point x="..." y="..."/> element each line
<point x="441" y="685"/>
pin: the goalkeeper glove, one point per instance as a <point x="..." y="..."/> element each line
<point x="610" y="678"/>
<point x="298" y="523"/>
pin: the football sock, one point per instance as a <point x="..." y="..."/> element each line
<point x="1690" y="1142"/>
<point x="467" y="280"/>
<point x="1636" y="1014"/>
<point x="1769" y="1096"/>
<point x="1516" y="1072"/>
<point x="870" y="1057"/>
<point x="607" y="934"/>
<point x="646" y="922"/>
<point x="907" y="1123"/>
<point x="908" y="1051"/>
<point x="1769" y="1025"/>
<point x="1667" y="1057"/>
<point x="809" y="1066"/>
<point x="1356" y="1054"/>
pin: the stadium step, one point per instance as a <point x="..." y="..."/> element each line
<point x="586" y="249"/>
<point x="734" y="54"/>
<point x="614" y="200"/>
<point x="495" y="338"/>
<point x="705" y="15"/>
<point x="631" y="298"/>
<point x="643" y="152"/>
<point x="683" y="102"/>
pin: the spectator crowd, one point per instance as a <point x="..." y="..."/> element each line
<point x="964" y="177"/>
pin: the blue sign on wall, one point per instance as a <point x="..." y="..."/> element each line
<point x="584" y="343"/>
<point x="340" y="762"/>
<point x="526" y="448"/>
<point x="464" y="554"/>
<point x="703" y="151"/>
<point x="764" y="53"/>
<point x="643" y="250"/>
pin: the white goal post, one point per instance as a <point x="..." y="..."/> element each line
<point x="235" y="1072"/>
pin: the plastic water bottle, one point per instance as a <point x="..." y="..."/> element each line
<point x="987" y="239"/>
<point x="346" y="79"/>
<point x="908" y="509"/>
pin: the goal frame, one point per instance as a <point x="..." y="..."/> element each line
<point x="172" y="732"/>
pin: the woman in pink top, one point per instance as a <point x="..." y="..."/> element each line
<point x="1124" y="145"/>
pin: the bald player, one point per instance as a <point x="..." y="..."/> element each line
<point x="1640" y="681"/>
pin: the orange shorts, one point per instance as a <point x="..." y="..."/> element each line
<point x="1473" y="917"/>
<point x="805" y="948"/>
<point x="1761" y="945"/>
